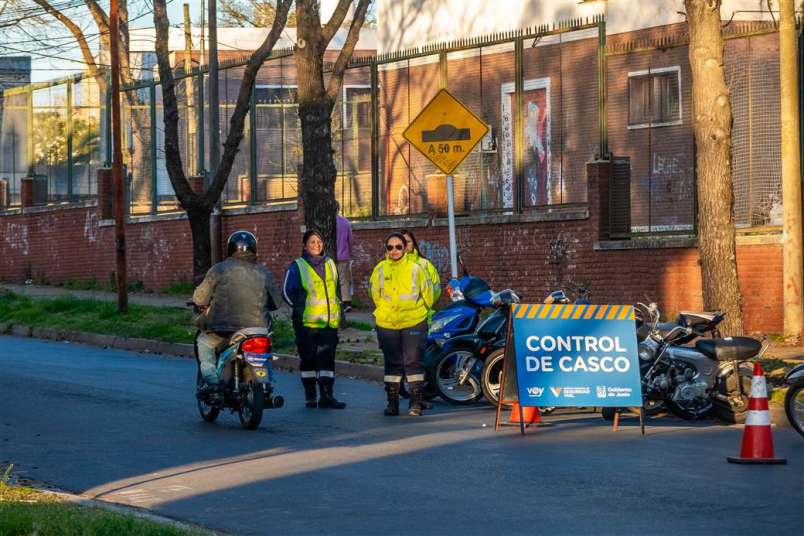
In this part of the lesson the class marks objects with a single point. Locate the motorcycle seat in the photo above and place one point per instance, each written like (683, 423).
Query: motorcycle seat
(729, 349)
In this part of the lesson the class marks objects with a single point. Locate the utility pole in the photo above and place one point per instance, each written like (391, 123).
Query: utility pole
(117, 162)
(188, 84)
(214, 126)
(791, 174)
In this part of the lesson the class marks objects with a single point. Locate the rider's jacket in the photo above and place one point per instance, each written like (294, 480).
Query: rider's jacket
(239, 293)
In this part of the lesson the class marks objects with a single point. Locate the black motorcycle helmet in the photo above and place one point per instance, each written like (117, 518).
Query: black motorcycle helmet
(241, 242)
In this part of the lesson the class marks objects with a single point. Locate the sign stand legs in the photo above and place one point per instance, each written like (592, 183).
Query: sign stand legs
(639, 411)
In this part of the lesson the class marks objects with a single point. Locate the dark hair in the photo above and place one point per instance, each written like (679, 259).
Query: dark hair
(412, 239)
(309, 233)
(395, 234)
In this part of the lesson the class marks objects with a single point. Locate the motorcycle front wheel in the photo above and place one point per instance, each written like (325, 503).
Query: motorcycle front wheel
(794, 407)
(208, 412)
(454, 379)
(250, 411)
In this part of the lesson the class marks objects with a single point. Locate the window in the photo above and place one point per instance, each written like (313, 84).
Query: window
(357, 107)
(654, 97)
(278, 130)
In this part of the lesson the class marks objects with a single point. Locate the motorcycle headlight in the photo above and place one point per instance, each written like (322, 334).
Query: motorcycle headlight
(439, 324)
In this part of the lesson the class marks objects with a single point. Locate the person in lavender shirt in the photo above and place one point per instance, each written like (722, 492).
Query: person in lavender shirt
(343, 258)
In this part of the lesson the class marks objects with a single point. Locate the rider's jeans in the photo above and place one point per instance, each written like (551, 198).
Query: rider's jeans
(207, 360)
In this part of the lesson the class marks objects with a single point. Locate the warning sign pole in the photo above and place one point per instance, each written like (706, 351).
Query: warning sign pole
(453, 246)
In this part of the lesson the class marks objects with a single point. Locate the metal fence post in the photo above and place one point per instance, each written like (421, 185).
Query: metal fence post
(154, 192)
(30, 121)
(519, 85)
(252, 148)
(199, 121)
(375, 141)
(69, 140)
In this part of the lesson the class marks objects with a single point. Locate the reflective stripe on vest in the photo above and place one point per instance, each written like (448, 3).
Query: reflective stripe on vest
(321, 308)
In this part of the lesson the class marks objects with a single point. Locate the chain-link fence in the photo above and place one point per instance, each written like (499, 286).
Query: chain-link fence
(549, 103)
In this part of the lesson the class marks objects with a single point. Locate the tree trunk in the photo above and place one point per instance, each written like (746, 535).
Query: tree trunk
(199, 227)
(318, 172)
(712, 125)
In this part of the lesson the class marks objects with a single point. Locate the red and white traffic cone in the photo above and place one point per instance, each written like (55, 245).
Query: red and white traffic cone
(757, 439)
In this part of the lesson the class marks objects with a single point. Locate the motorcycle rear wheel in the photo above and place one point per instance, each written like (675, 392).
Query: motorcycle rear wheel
(444, 378)
(490, 377)
(250, 411)
(794, 407)
(208, 412)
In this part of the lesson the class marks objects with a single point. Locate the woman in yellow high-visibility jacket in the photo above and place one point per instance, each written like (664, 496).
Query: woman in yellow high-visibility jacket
(403, 295)
(311, 289)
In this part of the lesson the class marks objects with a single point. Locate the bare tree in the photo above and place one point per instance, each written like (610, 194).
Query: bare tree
(712, 125)
(199, 205)
(316, 101)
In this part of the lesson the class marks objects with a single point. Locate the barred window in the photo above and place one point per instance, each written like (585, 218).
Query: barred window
(654, 97)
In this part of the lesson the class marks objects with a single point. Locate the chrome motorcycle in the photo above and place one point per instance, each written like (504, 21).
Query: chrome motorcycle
(711, 377)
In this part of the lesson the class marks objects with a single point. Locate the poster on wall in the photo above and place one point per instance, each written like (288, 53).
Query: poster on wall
(535, 142)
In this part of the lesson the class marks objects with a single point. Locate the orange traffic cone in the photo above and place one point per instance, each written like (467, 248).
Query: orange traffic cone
(757, 440)
(530, 415)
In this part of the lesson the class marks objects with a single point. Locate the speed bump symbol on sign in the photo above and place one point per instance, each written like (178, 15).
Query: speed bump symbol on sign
(445, 131)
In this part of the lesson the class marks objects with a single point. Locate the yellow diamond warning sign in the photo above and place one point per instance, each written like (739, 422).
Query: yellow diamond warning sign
(445, 131)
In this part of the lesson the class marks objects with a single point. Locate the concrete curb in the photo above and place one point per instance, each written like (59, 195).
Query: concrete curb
(287, 362)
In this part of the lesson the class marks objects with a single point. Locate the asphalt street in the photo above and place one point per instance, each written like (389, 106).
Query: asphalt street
(124, 427)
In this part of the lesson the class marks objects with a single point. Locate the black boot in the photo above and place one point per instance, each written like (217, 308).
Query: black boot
(327, 400)
(392, 390)
(415, 407)
(309, 393)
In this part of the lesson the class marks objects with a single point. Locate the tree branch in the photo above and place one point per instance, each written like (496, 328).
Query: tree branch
(335, 21)
(336, 79)
(236, 123)
(184, 193)
(74, 29)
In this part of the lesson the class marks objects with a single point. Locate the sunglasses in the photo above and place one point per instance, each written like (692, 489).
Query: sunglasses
(391, 247)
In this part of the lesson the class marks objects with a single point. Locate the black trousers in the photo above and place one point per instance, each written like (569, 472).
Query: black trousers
(317, 352)
(403, 350)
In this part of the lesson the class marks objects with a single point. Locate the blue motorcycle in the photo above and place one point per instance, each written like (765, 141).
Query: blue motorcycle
(470, 296)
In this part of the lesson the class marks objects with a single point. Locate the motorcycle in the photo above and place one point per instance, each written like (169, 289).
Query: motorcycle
(492, 367)
(711, 377)
(457, 370)
(469, 296)
(794, 399)
(245, 370)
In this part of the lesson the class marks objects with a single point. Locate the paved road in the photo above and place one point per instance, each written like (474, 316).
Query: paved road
(123, 427)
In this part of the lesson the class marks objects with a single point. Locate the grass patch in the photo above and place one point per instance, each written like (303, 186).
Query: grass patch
(82, 284)
(25, 511)
(169, 324)
(357, 324)
(68, 313)
(180, 288)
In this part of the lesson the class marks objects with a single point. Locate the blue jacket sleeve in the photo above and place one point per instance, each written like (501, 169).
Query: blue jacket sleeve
(291, 287)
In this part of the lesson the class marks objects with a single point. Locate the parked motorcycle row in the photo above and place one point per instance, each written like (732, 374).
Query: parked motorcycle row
(686, 367)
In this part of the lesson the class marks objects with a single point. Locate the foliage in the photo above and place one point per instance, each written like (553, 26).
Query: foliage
(50, 137)
(180, 288)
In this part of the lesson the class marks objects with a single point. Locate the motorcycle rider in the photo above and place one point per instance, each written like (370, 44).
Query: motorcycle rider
(403, 295)
(236, 293)
(311, 290)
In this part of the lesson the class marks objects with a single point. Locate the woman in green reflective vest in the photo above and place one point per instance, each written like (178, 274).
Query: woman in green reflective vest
(311, 290)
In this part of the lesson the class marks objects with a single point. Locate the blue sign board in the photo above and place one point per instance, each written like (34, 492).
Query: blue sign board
(576, 355)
